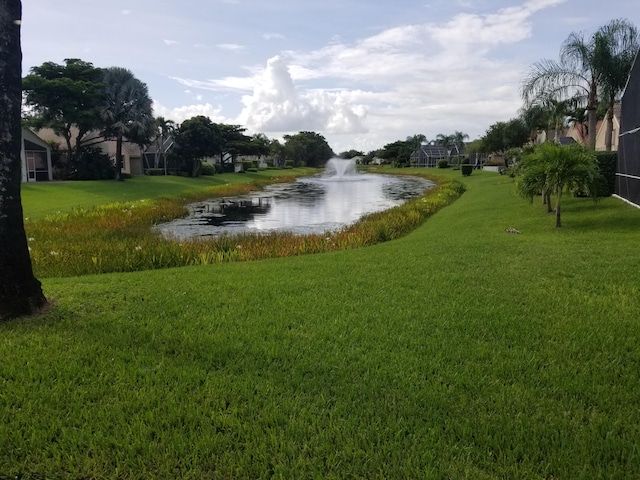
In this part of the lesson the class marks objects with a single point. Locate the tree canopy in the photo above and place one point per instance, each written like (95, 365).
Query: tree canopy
(196, 138)
(502, 136)
(125, 111)
(551, 169)
(307, 148)
(62, 97)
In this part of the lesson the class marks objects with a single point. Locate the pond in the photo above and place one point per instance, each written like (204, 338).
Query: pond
(325, 203)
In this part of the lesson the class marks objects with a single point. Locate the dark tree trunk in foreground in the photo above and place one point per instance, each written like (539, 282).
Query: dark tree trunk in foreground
(20, 291)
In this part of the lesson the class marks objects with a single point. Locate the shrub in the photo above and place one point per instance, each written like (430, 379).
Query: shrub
(252, 169)
(466, 169)
(246, 165)
(219, 168)
(607, 165)
(443, 163)
(91, 164)
(154, 172)
(208, 169)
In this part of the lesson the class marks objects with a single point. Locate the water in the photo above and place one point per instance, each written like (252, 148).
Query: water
(325, 203)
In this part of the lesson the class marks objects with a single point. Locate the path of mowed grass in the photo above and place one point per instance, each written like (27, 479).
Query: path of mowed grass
(458, 351)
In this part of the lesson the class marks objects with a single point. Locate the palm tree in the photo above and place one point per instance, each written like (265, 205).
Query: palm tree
(127, 110)
(459, 139)
(616, 45)
(444, 140)
(552, 169)
(574, 76)
(164, 128)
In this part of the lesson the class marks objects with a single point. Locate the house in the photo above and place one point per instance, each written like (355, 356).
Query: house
(35, 158)
(154, 155)
(131, 153)
(428, 155)
(602, 131)
(628, 171)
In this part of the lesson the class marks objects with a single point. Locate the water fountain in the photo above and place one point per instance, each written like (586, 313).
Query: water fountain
(340, 169)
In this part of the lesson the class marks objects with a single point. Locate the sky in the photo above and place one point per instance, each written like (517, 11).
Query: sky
(362, 73)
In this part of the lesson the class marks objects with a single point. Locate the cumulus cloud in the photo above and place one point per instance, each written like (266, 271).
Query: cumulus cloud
(180, 114)
(276, 106)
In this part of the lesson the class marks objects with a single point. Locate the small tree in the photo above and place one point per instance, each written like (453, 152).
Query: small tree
(553, 169)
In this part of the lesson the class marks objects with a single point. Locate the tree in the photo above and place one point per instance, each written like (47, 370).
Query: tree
(502, 136)
(307, 148)
(552, 169)
(195, 139)
(164, 128)
(20, 292)
(615, 48)
(260, 144)
(445, 140)
(459, 139)
(233, 142)
(587, 67)
(349, 154)
(64, 97)
(398, 152)
(126, 111)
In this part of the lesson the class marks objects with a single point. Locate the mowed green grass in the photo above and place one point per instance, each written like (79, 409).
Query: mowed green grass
(45, 198)
(458, 351)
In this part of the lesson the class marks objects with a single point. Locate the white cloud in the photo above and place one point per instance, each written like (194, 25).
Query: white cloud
(126, 12)
(170, 42)
(273, 36)
(230, 46)
(276, 106)
(183, 113)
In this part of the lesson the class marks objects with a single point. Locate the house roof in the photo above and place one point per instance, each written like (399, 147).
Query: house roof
(566, 140)
(433, 150)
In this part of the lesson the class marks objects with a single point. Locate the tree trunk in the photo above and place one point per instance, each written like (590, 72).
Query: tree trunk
(608, 137)
(547, 201)
(20, 292)
(558, 223)
(119, 162)
(592, 106)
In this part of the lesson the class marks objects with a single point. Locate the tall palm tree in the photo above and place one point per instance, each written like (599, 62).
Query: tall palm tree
(164, 128)
(536, 118)
(126, 111)
(616, 45)
(459, 139)
(574, 76)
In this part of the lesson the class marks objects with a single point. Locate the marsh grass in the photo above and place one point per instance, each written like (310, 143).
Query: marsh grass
(119, 237)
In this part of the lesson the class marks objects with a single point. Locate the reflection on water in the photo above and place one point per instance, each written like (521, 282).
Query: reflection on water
(309, 205)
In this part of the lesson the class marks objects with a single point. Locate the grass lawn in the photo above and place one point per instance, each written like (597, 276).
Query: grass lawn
(46, 198)
(458, 351)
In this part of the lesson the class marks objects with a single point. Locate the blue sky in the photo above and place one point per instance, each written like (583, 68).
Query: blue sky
(362, 73)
